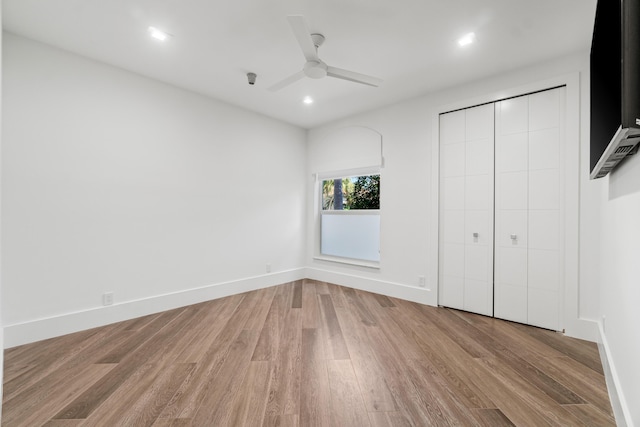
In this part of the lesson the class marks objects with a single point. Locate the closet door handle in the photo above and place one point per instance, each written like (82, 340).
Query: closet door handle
(514, 237)
(475, 235)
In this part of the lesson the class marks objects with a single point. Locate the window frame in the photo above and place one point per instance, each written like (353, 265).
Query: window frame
(320, 178)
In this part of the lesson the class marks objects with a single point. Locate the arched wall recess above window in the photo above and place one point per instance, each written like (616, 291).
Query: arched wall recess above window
(347, 168)
(348, 148)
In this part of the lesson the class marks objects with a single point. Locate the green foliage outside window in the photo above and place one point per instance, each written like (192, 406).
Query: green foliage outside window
(356, 192)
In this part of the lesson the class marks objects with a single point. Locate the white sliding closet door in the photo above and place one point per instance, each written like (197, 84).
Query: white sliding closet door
(466, 209)
(528, 208)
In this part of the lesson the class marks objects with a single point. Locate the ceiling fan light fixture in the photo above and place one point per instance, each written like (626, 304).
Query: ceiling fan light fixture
(315, 69)
(467, 39)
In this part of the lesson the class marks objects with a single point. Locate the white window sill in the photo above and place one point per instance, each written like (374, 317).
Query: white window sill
(349, 261)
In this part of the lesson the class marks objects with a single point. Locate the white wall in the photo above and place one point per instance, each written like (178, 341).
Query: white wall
(1, 321)
(112, 182)
(620, 279)
(408, 199)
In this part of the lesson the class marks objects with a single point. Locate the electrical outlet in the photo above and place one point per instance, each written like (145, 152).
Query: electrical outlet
(422, 281)
(107, 298)
(268, 268)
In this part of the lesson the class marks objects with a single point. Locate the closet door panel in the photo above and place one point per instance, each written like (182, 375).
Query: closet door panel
(544, 189)
(478, 193)
(514, 116)
(476, 263)
(478, 222)
(479, 122)
(512, 303)
(512, 224)
(478, 157)
(452, 163)
(453, 264)
(544, 110)
(543, 308)
(452, 292)
(511, 155)
(452, 127)
(544, 270)
(454, 227)
(512, 188)
(478, 297)
(466, 186)
(453, 193)
(512, 204)
(513, 266)
(544, 149)
(544, 228)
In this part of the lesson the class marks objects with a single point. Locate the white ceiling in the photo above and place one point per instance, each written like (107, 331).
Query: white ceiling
(410, 44)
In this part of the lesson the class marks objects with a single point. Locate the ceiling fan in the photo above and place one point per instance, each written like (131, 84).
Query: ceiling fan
(315, 68)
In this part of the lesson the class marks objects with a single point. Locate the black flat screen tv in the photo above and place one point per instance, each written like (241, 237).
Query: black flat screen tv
(615, 84)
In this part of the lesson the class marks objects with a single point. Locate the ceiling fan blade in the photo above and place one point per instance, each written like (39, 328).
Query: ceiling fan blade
(286, 82)
(353, 76)
(300, 30)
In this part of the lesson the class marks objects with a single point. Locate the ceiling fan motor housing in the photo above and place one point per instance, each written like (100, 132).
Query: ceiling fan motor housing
(315, 69)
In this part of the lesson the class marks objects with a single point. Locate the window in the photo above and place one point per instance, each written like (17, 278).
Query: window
(350, 217)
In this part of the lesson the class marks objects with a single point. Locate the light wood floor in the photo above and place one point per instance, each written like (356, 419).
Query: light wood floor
(307, 354)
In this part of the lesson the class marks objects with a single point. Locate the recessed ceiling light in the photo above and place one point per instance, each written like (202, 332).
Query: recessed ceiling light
(307, 100)
(467, 39)
(158, 34)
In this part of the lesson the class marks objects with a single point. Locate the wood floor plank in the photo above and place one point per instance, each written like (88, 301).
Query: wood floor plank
(50, 361)
(151, 403)
(284, 386)
(433, 391)
(288, 420)
(256, 320)
(85, 404)
(269, 339)
(38, 409)
(137, 339)
(453, 365)
(582, 351)
(399, 382)
(140, 322)
(296, 301)
(591, 416)
(373, 386)
(315, 395)
(517, 409)
(492, 418)
(588, 384)
(388, 419)
(384, 300)
(251, 400)
(173, 422)
(43, 390)
(189, 398)
(220, 314)
(310, 307)
(543, 405)
(347, 406)
(215, 407)
(358, 306)
(307, 353)
(63, 423)
(335, 346)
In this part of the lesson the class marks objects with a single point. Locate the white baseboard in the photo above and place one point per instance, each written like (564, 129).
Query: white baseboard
(583, 329)
(616, 396)
(396, 290)
(40, 329)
